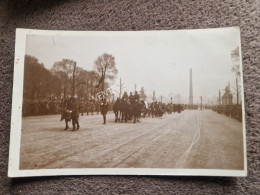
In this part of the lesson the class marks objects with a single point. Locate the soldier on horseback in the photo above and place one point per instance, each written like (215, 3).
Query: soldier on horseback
(131, 98)
(136, 96)
(125, 96)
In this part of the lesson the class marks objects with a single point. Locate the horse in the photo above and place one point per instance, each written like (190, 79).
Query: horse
(125, 110)
(116, 109)
(137, 110)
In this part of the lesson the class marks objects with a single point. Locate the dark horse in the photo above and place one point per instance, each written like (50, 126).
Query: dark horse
(116, 109)
(136, 110)
(125, 110)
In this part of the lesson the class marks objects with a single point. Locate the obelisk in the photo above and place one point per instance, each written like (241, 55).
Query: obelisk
(191, 89)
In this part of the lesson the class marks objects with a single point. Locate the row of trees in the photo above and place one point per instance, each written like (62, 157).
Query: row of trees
(236, 70)
(65, 78)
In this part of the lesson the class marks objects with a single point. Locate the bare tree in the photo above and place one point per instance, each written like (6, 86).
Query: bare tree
(106, 66)
(69, 73)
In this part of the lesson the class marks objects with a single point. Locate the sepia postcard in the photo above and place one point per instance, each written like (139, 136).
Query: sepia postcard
(128, 103)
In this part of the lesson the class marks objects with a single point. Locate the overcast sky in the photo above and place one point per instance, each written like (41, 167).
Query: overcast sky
(156, 61)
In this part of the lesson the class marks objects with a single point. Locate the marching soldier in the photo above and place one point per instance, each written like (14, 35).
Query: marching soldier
(75, 113)
(82, 107)
(104, 109)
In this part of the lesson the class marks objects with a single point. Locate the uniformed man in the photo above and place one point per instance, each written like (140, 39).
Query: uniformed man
(136, 96)
(104, 109)
(69, 103)
(82, 107)
(75, 113)
(131, 98)
(125, 96)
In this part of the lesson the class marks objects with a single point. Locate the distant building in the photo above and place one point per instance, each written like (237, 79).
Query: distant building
(227, 96)
(142, 95)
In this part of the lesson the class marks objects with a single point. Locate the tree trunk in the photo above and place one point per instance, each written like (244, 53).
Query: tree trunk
(103, 82)
(73, 79)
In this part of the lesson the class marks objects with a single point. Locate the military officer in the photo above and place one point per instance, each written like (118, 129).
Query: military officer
(75, 113)
(104, 109)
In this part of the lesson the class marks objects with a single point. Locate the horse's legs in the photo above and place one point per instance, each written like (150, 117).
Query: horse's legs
(122, 116)
(104, 118)
(126, 115)
(77, 122)
(73, 124)
(67, 126)
(116, 115)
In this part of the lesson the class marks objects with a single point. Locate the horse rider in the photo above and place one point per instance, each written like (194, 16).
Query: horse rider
(136, 96)
(125, 96)
(104, 109)
(131, 98)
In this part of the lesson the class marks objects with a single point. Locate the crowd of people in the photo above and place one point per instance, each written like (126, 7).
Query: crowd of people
(71, 107)
(34, 107)
(233, 110)
(48, 106)
(44, 106)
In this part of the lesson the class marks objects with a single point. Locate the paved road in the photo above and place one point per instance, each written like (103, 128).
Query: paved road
(191, 139)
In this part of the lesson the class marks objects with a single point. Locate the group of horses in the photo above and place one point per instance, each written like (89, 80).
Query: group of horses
(125, 110)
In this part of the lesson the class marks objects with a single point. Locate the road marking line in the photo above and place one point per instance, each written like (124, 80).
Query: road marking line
(195, 139)
(123, 157)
